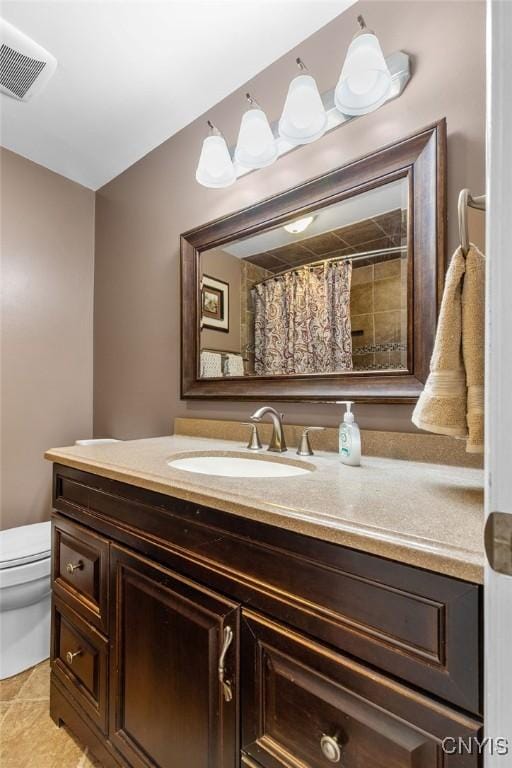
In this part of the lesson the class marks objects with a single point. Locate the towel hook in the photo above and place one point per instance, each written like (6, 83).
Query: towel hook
(466, 200)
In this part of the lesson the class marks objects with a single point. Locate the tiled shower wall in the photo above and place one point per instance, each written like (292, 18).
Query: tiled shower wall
(250, 274)
(378, 312)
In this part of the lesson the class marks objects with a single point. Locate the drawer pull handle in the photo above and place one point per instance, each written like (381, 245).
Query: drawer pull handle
(226, 685)
(330, 748)
(72, 567)
(70, 655)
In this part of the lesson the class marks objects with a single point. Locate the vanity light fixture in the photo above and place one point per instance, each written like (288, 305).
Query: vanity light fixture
(299, 225)
(304, 118)
(365, 80)
(256, 146)
(215, 168)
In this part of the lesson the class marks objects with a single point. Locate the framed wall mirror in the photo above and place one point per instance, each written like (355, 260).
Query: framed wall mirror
(327, 291)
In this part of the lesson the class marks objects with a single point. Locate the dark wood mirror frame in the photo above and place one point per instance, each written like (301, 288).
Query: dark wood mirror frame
(421, 159)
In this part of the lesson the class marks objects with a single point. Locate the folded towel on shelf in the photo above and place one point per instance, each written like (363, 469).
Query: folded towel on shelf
(452, 400)
(234, 365)
(211, 365)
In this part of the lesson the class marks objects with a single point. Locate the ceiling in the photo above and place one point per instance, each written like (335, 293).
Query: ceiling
(131, 73)
(387, 230)
(366, 205)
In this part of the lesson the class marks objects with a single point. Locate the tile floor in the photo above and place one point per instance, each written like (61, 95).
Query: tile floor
(28, 736)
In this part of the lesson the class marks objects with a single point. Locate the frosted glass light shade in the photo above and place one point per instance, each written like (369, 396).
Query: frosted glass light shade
(256, 146)
(304, 118)
(215, 168)
(365, 81)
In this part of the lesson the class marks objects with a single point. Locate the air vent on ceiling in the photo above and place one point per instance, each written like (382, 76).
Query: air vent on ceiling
(25, 66)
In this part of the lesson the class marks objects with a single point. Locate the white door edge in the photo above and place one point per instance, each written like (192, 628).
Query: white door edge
(498, 475)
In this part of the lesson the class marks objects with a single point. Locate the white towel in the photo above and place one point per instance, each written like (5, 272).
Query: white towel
(452, 401)
(234, 365)
(211, 365)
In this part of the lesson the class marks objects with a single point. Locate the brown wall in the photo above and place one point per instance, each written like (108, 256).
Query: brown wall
(141, 214)
(47, 277)
(223, 266)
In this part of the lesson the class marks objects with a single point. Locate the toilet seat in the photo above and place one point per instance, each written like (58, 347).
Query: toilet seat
(24, 545)
(23, 574)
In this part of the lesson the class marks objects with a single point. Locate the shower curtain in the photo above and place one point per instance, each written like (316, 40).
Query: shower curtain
(302, 321)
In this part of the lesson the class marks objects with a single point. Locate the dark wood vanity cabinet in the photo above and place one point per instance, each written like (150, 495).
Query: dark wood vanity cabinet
(218, 642)
(168, 706)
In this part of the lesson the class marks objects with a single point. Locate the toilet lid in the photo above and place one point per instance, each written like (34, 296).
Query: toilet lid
(25, 544)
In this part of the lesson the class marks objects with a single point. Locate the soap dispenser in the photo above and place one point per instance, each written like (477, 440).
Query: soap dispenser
(349, 437)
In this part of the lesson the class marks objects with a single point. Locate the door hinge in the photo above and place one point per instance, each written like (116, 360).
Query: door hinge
(498, 542)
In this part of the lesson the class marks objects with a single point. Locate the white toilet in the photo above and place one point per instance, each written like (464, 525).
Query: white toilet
(25, 557)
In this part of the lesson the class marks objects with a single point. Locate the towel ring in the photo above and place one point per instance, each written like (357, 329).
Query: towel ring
(466, 200)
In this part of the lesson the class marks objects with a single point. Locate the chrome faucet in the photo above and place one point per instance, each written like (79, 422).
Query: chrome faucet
(277, 441)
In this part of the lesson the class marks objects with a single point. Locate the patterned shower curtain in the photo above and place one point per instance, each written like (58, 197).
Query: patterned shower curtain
(302, 321)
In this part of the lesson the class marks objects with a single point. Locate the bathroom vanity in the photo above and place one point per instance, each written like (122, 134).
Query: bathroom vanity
(203, 622)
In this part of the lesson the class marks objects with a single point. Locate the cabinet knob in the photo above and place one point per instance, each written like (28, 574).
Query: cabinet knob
(330, 748)
(70, 655)
(72, 567)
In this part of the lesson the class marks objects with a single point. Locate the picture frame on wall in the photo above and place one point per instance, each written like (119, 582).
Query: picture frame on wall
(214, 304)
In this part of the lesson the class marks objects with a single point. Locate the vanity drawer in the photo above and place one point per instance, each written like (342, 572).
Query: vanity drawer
(80, 570)
(80, 661)
(304, 705)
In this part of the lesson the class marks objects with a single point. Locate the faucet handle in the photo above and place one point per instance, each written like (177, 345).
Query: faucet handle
(304, 448)
(254, 443)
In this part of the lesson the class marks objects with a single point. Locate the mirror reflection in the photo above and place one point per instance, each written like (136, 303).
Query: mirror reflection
(325, 293)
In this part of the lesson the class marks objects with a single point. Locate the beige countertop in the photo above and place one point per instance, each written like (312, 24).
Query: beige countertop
(422, 514)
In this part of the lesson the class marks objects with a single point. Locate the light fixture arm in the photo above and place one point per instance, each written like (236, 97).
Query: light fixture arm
(363, 29)
(214, 131)
(252, 101)
(302, 67)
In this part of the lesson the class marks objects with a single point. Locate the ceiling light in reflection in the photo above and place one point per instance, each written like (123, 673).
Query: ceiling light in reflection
(294, 227)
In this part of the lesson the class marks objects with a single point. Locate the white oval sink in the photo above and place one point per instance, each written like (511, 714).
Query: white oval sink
(238, 466)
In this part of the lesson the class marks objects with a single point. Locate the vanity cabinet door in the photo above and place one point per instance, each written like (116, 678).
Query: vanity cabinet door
(168, 706)
(306, 706)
